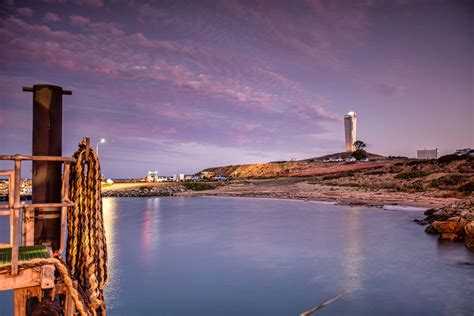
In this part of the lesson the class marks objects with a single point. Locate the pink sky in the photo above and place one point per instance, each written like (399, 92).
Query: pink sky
(184, 85)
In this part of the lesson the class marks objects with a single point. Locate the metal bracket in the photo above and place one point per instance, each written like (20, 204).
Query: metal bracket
(47, 277)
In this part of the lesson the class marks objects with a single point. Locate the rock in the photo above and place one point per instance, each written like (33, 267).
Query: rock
(469, 243)
(421, 221)
(454, 219)
(431, 230)
(449, 237)
(463, 222)
(446, 227)
(469, 230)
(441, 215)
(430, 211)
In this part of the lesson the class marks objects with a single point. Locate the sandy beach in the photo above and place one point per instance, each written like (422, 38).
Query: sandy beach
(300, 188)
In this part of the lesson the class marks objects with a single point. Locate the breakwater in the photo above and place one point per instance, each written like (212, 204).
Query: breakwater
(146, 191)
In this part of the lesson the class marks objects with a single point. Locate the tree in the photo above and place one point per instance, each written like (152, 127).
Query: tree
(360, 152)
(359, 145)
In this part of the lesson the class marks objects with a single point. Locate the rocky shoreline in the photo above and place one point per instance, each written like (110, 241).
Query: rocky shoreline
(148, 191)
(454, 222)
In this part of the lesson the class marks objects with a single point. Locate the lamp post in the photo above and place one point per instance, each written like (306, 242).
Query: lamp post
(101, 141)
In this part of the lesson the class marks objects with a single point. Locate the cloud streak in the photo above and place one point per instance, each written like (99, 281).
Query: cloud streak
(259, 76)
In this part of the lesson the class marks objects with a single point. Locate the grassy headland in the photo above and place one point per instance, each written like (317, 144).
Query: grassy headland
(382, 180)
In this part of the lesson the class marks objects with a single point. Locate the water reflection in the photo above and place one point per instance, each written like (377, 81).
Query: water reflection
(150, 234)
(109, 211)
(211, 256)
(353, 256)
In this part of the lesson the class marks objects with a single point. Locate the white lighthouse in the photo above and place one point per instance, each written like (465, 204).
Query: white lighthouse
(350, 126)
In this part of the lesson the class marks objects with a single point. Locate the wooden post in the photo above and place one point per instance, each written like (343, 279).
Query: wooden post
(15, 213)
(47, 141)
(64, 199)
(19, 297)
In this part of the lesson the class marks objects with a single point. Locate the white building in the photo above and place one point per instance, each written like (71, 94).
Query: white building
(465, 151)
(427, 154)
(350, 127)
(178, 177)
(152, 176)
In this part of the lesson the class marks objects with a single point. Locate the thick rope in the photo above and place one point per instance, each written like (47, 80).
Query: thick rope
(86, 248)
(79, 299)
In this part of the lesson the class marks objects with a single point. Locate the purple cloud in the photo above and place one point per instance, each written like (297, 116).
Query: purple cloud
(389, 90)
(51, 17)
(77, 20)
(91, 3)
(25, 12)
(265, 78)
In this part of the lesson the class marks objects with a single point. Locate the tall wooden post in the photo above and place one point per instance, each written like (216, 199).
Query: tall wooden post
(47, 141)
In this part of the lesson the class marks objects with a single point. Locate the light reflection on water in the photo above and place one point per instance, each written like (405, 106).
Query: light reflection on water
(353, 256)
(109, 211)
(234, 256)
(237, 256)
(150, 235)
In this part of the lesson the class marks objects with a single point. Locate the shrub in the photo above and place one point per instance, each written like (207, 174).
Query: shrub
(467, 167)
(359, 154)
(417, 185)
(450, 158)
(338, 175)
(408, 175)
(199, 186)
(394, 187)
(375, 172)
(395, 169)
(449, 180)
(467, 188)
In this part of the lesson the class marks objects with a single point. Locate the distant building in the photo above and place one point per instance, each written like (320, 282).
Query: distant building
(152, 176)
(350, 127)
(465, 151)
(427, 154)
(220, 178)
(178, 177)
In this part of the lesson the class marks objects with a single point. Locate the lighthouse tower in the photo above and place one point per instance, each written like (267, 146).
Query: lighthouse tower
(350, 126)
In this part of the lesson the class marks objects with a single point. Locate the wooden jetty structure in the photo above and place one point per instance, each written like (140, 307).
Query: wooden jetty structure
(31, 263)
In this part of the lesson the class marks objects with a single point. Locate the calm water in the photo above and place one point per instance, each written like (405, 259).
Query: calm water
(238, 256)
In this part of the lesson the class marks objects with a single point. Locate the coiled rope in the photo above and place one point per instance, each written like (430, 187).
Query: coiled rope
(86, 251)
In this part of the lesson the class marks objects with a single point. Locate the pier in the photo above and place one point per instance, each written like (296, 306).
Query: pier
(32, 263)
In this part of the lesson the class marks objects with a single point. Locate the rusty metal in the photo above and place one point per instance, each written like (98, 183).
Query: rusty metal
(66, 202)
(50, 195)
(37, 158)
(14, 217)
(55, 206)
(47, 141)
(30, 280)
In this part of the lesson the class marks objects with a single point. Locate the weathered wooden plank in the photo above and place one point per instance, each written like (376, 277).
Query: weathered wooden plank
(27, 278)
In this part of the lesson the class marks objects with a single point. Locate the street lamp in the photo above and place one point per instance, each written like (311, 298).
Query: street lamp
(101, 141)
